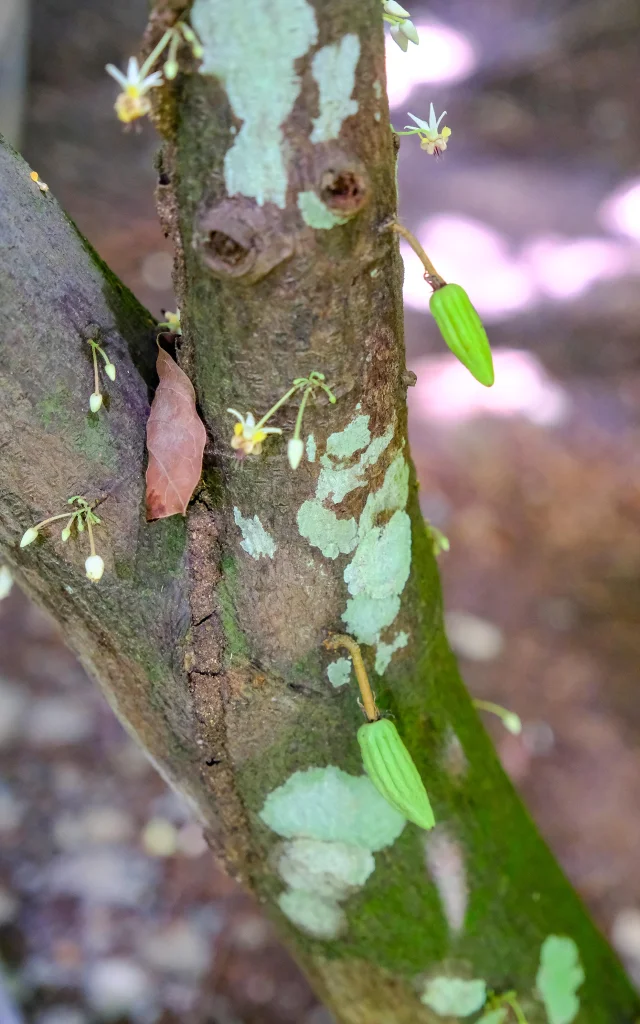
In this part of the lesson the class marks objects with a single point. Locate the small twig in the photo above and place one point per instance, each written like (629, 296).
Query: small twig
(334, 643)
(431, 276)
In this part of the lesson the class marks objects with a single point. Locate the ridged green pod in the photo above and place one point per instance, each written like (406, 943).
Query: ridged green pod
(389, 765)
(462, 329)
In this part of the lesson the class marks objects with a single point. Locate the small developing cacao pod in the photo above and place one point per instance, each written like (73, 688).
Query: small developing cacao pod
(462, 329)
(390, 767)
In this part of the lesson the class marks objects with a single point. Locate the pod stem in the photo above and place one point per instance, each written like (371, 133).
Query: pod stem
(431, 276)
(334, 643)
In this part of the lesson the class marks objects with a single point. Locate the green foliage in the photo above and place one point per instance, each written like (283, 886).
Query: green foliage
(559, 976)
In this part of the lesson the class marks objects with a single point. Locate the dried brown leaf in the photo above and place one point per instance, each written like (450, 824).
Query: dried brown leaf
(175, 442)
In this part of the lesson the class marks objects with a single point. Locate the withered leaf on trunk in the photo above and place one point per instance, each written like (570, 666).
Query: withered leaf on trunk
(175, 442)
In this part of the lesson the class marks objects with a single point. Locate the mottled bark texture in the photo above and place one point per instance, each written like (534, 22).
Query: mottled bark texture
(207, 634)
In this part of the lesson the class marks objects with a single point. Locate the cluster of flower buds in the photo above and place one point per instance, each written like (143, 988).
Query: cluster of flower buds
(83, 517)
(133, 102)
(95, 400)
(403, 31)
(248, 434)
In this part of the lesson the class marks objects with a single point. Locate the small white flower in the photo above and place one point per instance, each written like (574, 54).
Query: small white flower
(398, 37)
(6, 581)
(110, 370)
(94, 568)
(295, 451)
(172, 322)
(28, 537)
(95, 401)
(247, 437)
(133, 101)
(433, 139)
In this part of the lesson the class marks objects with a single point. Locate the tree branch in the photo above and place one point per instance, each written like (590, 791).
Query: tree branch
(129, 629)
(274, 191)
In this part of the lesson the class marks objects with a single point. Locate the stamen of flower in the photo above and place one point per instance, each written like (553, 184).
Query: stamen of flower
(41, 184)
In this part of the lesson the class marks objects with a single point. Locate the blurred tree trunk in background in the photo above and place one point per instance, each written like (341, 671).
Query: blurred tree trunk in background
(13, 64)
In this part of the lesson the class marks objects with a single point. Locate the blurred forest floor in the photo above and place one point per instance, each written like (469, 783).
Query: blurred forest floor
(110, 906)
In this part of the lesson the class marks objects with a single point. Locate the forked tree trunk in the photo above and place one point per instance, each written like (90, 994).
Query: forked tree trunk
(276, 179)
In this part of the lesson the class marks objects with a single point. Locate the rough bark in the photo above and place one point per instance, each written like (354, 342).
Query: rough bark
(210, 649)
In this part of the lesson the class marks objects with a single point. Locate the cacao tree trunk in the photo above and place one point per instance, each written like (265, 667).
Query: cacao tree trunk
(276, 182)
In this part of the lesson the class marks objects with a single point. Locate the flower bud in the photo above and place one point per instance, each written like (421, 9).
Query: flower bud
(399, 38)
(95, 401)
(28, 537)
(409, 30)
(171, 69)
(462, 329)
(110, 371)
(390, 767)
(295, 451)
(66, 533)
(512, 723)
(94, 568)
(391, 7)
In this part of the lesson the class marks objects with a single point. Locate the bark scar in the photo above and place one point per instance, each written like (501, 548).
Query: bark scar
(209, 686)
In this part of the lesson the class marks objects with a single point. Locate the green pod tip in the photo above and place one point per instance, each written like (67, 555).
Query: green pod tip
(390, 767)
(462, 329)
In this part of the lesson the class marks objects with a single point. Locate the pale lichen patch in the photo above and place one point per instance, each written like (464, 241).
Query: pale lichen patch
(446, 866)
(256, 541)
(332, 870)
(334, 823)
(454, 760)
(334, 69)
(339, 672)
(381, 565)
(316, 214)
(330, 805)
(320, 918)
(272, 35)
(336, 480)
(454, 997)
(355, 436)
(322, 528)
(385, 651)
(311, 448)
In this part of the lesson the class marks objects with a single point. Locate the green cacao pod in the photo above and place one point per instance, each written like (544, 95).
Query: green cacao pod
(390, 767)
(462, 329)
